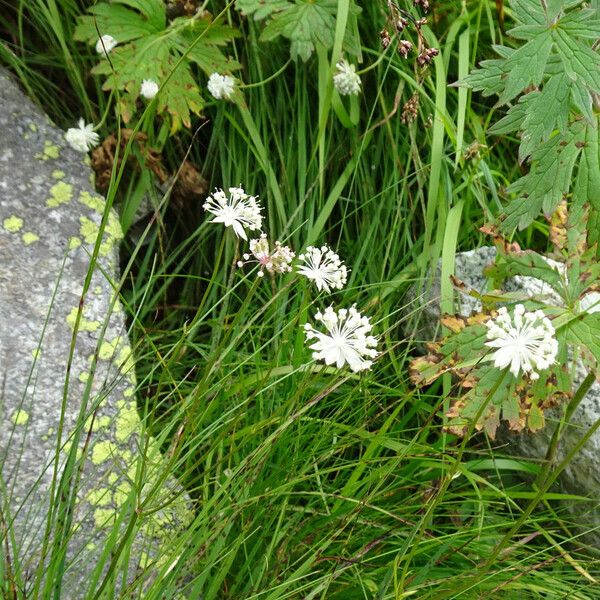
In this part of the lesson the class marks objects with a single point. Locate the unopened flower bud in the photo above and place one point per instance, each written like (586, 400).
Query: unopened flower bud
(404, 47)
(427, 56)
(386, 40)
(401, 24)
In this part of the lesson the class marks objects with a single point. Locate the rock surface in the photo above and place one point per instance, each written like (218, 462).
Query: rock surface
(582, 476)
(84, 395)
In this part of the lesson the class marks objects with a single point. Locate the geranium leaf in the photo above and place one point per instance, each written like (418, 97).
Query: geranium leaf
(304, 22)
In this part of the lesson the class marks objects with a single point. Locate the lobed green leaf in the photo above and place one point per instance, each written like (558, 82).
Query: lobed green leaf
(306, 23)
(547, 182)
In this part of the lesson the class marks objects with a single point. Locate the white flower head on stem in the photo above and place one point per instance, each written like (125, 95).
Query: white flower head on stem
(221, 86)
(277, 260)
(524, 342)
(83, 137)
(149, 89)
(240, 211)
(346, 340)
(105, 44)
(324, 267)
(346, 80)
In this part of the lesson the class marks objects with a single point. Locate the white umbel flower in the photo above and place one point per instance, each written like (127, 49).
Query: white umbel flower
(83, 137)
(105, 44)
(149, 89)
(240, 211)
(277, 260)
(346, 80)
(221, 86)
(346, 341)
(525, 342)
(324, 267)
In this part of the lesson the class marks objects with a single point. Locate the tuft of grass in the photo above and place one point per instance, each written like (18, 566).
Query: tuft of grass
(308, 482)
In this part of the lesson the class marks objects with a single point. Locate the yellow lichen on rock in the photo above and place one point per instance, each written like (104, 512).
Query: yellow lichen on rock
(104, 517)
(74, 242)
(60, 193)
(102, 451)
(12, 224)
(127, 422)
(107, 349)
(99, 497)
(112, 233)
(96, 203)
(84, 324)
(20, 417)
(30, 238)
(50, 151)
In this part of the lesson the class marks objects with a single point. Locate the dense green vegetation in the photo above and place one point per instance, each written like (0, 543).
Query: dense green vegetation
(312, 482)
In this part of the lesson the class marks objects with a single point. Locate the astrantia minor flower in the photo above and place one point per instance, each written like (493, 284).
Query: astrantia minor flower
(346, 80)
(346, 340)
(82, 138)
(324, 267)
(239, 211)
(277, 260)
(149, 89)
(525, 342)
(220, 86)
(105, 44)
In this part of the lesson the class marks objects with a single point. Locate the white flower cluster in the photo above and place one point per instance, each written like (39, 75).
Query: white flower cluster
(324, 267)
(221, 86)
(278, 260)
(105, 44)
(346, 81)
(240, 211)
(525, 342)
(347, 339)
(148, 89)
(83, 137)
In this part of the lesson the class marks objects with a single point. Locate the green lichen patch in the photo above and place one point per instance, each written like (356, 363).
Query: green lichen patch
(100, 497)
(97, 423)
(127, 422)
(84, 323)
(74, 242)
(20, 417)
(96, 203)
(107, 349)
(50, 151)
(60, 193)
(58, 174)
(12, 224)
(125, 360)
(112, 233)
(102, 451)
(104, 517)
(30, 238)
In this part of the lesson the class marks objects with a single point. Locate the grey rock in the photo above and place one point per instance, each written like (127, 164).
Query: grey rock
(49, 222)
(582, 476)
